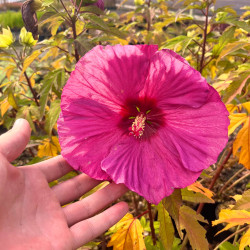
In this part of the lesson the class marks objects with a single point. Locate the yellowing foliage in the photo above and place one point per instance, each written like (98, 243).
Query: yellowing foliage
(242, 141)
(4, 105)
(128, 235)
(198, 188)
(50, 147)
(235, 218)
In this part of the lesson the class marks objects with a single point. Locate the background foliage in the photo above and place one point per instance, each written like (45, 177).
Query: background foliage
(33, 73)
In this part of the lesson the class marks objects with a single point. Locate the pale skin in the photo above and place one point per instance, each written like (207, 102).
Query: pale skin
(31, 213)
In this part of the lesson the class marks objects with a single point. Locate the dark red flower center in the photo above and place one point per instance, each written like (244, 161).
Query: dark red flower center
(141, 118)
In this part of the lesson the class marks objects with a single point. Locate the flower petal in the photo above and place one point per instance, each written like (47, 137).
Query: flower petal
(111, 74)
(172, 80)
(87, 130)
(199, 135)
(147, 168)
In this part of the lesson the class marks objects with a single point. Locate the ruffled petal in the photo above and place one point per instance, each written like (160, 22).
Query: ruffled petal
(87, 130)
(111, 74)
(149, 169)
(173, 81)
(198, 135)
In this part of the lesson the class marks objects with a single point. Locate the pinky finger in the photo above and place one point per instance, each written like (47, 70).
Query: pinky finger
(89, 229)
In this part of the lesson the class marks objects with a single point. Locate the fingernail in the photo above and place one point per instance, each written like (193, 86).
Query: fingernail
(19, 122)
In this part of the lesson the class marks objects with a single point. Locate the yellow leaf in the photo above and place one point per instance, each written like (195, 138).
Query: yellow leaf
(235, 121)
(198, 188)
(49, 147)
(28, 60)
(243, 141)
(231, 108)
(246, 106)
(4, 106)
(128, 234)
(9, 69)
(245, 240)
(233, 218)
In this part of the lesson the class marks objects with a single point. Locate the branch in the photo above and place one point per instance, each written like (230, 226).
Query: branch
(204, 39)
(151, 224)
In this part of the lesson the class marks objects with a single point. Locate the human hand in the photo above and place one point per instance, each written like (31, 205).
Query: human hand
(31, 216)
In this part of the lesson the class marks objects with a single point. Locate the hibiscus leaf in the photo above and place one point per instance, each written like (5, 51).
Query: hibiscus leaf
(166, 227)
(191, 196)
(228, 246)
(243, 142)
(223, 40)
(128, 234)
(244, 202)
(52, 116)
(233, 218)
(235, 88)
(50, 147)
(195, 232)
(172, 204)
(230, 48)
(198, 188)
(235, 121)
(245, 240)
(29, 59)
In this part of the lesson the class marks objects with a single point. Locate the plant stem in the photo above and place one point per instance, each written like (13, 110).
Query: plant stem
(140, 215)
(149, 16)
(204, 38)
(216, 176)
(135, 203)
(31, 89)
(77, 57)
(184, 242)
(151, 223)
(26, 77)
(230, 236)
(239, 180)
(65, 9)
(225, 185)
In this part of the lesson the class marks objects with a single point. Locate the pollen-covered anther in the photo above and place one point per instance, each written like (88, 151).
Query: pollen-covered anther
(137, 127)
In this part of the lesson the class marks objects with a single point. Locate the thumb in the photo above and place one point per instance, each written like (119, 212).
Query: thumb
(14, 141)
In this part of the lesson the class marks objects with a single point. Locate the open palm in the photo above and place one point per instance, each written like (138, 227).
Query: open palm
(31, 213)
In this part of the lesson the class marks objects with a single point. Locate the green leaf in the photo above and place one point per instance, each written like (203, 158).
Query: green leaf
(52, 116)
(195, 232)
(228, 246)
(46, 3)
(44, 93)
(25, 113)
(92, 9)
(176, 244)
(223, 41)
(231, 47)
(172, 204)
(150, 246)
(166, 227)
(12, 99)
(191, 196)
(236, 86)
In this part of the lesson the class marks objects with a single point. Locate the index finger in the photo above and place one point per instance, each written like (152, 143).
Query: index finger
(53, 168)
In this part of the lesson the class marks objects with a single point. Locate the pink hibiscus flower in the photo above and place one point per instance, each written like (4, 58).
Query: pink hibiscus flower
(142, 117)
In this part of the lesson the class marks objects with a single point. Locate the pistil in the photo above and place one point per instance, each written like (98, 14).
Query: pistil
(137, 127)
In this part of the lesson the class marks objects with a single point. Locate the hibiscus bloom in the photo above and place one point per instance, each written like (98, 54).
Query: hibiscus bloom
(142, 117)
